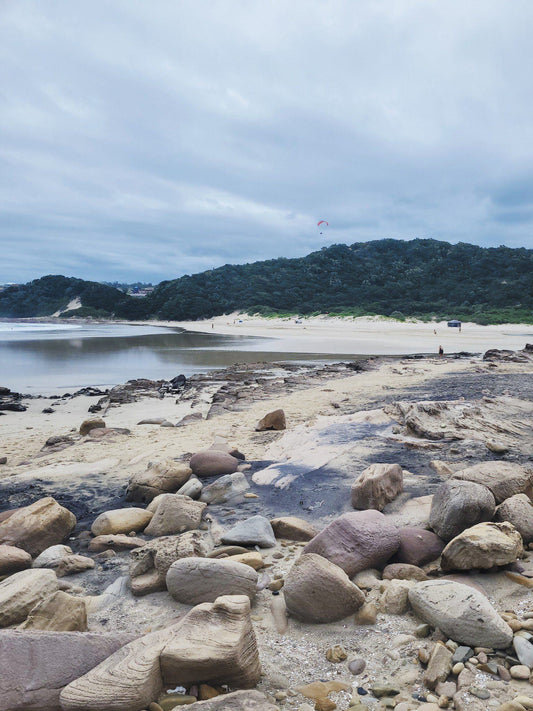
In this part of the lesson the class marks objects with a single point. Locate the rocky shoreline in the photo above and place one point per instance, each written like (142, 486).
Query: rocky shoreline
(273, 536)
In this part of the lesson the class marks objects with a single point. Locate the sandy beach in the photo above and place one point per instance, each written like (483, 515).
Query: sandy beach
(364, 335)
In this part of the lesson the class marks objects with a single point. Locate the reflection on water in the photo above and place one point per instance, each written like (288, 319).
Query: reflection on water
(104, 355)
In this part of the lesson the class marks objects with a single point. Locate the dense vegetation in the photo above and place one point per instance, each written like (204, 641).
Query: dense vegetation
(421, 278)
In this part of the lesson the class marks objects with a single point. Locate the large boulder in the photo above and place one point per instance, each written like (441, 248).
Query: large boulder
(504, 479)
(37, 526)
(159, 478)
(121, 521)
(460, 612)
(212, 462)
(215, 645)
(458, 505)
(377, 486)
(356, 541)
(175, 514)
(485, 545)
(274, 420)
(60, 612)
(194, 580)
(226, 488)
(151, 562)
(57, 658)
(22, 591)
(518, 510)
(13, 559)
(251, 700)
(317, 590)
(254, 531)
(418, 546)
(293, 528)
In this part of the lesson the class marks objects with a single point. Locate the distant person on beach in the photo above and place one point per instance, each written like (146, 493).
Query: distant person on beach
(212, 325)
(435, 331)
(441, 351)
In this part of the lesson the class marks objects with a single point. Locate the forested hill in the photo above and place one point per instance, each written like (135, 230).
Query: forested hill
(388, 277)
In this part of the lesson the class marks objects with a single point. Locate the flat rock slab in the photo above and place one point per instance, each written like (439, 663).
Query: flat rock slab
(237, 701)
(36, 686)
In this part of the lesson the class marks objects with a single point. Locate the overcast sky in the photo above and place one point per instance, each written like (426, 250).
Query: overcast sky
(141, 140)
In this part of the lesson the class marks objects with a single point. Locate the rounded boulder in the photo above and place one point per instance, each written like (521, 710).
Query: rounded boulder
(317, 590)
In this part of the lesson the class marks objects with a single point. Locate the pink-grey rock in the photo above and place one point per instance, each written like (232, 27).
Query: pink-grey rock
(418, 546)
(377, 486)
(36, 686)
(356, 541)
(458, 505)
(317, 590)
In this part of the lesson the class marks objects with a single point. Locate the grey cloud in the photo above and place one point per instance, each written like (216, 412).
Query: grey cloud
(146, 140)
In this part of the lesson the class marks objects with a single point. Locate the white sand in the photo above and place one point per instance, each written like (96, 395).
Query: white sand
(374, 335)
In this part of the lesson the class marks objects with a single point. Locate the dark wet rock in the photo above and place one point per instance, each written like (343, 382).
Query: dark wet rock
(356, 541)
(458, 505)
(12, 406)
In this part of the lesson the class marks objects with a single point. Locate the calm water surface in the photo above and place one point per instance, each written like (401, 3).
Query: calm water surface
(56, 358)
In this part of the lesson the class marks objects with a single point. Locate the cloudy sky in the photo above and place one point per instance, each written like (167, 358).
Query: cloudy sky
(141, 140)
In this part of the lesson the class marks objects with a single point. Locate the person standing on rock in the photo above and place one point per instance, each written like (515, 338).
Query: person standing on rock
(441, 351)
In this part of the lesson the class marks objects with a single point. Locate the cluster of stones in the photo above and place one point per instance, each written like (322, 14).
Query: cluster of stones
(361, 564)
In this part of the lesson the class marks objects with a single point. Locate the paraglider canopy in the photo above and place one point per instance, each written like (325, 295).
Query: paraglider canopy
(322, 222)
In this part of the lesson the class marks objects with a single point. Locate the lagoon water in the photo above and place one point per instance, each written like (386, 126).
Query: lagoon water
(50, 358)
